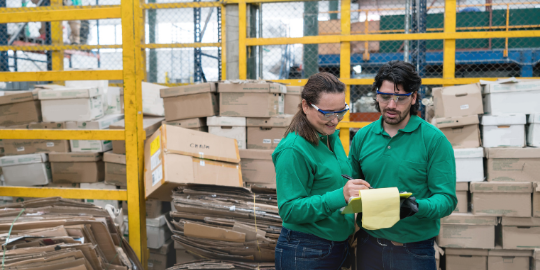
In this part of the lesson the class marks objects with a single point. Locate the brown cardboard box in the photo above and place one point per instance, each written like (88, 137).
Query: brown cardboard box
(162, 258)
(519, 233)
(115, 169)
(155, 208)
(190, 101)
(257, 166)
(77, 167)
(536, 260)
(293, 98)
(19, 107)
(332, 27)
(503, 259)
(501, 199)
(535, 200)
(24, 147)
(470, 259)
(462, 194)
(458, 100)
(150, 125)
(513, 164)
(251, 98)
(182, 256)
(467, 231)
(176, 156)
(461, 131)
(266, 133)
(189, 123)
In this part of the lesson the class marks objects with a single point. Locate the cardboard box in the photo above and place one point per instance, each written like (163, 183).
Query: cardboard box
(229, 127)
(503, 259)
(463, 258)
(182, 256)
(190, 101)
(82, 167)
(93, 145)
(536, 200)
(533, 132)
(114, 104)
(251, 98)
(153, 104)
(293, 98)
(461, 131)
(467, 231)
(511, 96)
(257, 166)
(504, 130)
(536, 260)
(71, 104)
(266, 133)
(19, 107)
(176, 156)
(513, 164)
(157, 232)
(26, 170)
(115, 169)
(25, 147)
(333, 27)
(155, 208)
(458, 100)
(469, 164)
(189, 123)
(150, 125)
(462, 194)
(103, 186)
(519, 233)
(162, 258)
(501, 199)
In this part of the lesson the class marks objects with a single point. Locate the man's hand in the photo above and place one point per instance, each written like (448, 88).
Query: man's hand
(408, 207)
(351, 189)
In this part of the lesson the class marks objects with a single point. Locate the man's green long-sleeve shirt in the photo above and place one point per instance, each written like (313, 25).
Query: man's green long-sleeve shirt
(310, 186)
(418, 159)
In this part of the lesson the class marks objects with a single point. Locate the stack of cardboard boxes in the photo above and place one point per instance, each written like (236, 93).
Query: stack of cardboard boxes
(497, 220)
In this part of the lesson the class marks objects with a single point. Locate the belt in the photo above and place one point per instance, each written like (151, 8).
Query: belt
(386, 242)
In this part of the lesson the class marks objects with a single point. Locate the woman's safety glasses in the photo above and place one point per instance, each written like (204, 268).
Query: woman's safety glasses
(398, 98)
(331, 115)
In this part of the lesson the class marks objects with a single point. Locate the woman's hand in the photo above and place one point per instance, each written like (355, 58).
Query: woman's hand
(351, 189)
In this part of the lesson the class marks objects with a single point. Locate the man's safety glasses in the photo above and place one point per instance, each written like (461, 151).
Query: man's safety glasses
(398, 98)
(332, 115)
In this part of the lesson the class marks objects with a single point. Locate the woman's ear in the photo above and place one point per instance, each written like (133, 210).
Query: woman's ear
(305, 106)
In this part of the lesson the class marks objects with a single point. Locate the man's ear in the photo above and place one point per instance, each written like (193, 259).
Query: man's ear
(414, 96)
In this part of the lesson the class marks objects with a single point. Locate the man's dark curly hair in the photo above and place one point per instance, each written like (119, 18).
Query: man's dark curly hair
(399, 72)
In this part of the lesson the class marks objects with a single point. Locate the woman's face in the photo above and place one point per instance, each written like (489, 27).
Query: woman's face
(329, 102)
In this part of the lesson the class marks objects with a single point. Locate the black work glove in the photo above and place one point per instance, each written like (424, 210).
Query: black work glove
(408, 207)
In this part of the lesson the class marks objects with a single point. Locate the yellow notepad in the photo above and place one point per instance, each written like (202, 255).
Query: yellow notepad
(355, 205)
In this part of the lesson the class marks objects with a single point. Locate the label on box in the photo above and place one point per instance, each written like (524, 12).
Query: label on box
(20, 149)
(154, 160)
(464, 107)
(276, 141)
(155, 145)
(267, 140)
(49, 144)
(201, 163)
(157, 175)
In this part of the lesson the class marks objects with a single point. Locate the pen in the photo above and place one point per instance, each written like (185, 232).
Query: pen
(349, 178)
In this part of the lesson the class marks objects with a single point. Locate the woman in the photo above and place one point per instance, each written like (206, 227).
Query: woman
(309, 163)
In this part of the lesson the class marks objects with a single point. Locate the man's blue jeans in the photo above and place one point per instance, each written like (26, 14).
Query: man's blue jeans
(381, 254)
(296, 250)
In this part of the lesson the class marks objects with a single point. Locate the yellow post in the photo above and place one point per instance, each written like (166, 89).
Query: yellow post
(57, 38)
(223, 44)
(366, 44)
(449, 61)
(505, 53)
(242, 34)
(345, 67)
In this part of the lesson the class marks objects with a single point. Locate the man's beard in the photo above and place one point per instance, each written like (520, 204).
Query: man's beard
(399, 117)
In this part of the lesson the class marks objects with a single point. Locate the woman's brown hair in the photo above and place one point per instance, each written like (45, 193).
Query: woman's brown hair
(317, 84)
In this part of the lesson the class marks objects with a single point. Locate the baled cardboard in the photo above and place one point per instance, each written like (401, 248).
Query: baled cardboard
(162, 258)
(511, 96)
(533, 132)
(189, 123)
(536, 200)
(251, 98)
(467, 231)
(519, 233)
(115, 169)
(293, 98)
(93, 145)
(19, 107)
(81, 167)
(501, 199)
(208, 232)
(504, 259)
(513, 164)
(229, 127)
(208, 87)
(462, 194)
(100, 203)
(25, 147)
(150, 125)
(469, 164)
(463, 258)
(257, 166)
(157, 232)
(461, 131)
(182, 256)
(503, 130)
(71, 104)
(458, 100)
(26, 170)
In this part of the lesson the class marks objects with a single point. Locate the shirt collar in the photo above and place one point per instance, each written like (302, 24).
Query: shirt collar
(414, 123)
(321, 136)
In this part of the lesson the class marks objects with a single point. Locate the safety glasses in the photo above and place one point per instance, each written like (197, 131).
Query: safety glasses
(397, 98)
(331, 115)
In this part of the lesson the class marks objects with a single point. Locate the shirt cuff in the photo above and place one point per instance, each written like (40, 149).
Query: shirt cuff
(335, 199)
(423, 207)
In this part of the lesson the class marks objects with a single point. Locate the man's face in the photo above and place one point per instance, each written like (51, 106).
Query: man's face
(394, 112)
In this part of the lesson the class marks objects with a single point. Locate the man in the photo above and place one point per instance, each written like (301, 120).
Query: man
(402, 150)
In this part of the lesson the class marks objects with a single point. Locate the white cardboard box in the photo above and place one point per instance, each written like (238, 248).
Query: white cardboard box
(469, 164)
(504, 130)
(93, 145)
(71, 104)
(114, 105)
(152, 101)
(157, 232)
(26, 170)
(229, 127)
(100, 203)
(533, 133)
(511, 96)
